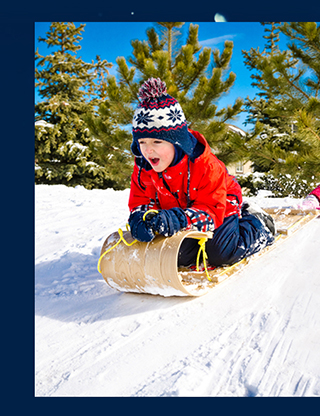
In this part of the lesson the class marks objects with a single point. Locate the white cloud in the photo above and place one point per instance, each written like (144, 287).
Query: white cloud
(217, 40)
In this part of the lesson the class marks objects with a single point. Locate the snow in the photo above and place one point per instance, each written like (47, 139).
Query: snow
(237, 130)
(256, 334)
(43, 123)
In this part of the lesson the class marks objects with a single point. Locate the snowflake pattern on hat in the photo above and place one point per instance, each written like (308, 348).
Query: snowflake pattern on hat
(168, 115)
(174, 115)
(144, 118)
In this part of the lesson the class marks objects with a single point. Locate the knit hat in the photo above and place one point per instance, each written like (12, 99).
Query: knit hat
(160, 116)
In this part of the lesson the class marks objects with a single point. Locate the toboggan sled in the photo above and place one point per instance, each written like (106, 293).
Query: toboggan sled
(132, 266)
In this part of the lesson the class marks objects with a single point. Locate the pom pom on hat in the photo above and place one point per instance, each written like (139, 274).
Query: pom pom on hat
(152, 88)
(160, 116)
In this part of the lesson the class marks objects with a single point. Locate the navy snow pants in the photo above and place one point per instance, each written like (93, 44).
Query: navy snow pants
(234, 240)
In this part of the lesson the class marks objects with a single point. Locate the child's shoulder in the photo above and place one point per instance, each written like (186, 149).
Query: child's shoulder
(316, 192)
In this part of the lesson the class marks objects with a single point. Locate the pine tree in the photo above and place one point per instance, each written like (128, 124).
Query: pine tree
(170, 36)
(272, 35)
(286, 134)
(111, 146)
(66, 85)
(197, 77)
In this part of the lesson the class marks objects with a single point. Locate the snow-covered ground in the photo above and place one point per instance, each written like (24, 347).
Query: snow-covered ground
(257, 334)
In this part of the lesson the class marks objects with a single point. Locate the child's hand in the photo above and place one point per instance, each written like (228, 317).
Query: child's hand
(168, 222)
(140, 229)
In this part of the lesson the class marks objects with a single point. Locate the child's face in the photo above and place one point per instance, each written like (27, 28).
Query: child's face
(159, 153)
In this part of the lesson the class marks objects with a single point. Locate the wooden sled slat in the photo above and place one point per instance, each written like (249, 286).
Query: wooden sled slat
(286, 223)
(290, 211)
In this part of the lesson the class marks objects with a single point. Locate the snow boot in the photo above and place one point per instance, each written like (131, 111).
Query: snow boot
(266, 219)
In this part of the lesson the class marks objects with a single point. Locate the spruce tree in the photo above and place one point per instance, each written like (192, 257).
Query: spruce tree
(111, 146)
(67, 88)
(286, 134)
(197, 77)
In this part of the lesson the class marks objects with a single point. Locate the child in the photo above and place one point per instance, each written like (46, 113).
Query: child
(176, 175)
(311, 201)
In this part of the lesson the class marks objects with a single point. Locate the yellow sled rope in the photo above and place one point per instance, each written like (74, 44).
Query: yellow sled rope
(111, 248)
(152, 267)
(202, 242)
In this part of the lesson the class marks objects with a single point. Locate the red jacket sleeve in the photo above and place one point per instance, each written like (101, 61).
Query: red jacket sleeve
(316, 192)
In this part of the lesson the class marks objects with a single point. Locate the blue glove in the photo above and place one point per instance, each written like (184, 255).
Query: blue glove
(169, 221)
(140, 230)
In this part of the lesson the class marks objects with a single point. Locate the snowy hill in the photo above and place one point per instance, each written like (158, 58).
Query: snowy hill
(254, 335)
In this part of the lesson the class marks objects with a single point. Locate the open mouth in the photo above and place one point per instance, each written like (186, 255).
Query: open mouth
(155, 161)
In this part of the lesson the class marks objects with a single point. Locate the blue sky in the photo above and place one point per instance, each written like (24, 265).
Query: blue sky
(113, 39)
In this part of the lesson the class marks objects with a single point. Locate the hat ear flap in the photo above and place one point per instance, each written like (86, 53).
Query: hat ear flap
(135, 148)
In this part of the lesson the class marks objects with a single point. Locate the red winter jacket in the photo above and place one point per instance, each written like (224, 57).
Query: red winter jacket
(203, 188)
(316, 192)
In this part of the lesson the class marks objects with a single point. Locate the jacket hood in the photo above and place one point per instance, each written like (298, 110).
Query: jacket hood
(187, 146)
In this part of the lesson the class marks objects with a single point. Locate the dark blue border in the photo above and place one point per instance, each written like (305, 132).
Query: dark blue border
(17, 128)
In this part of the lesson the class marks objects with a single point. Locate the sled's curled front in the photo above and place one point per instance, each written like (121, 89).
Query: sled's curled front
(148, 267)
